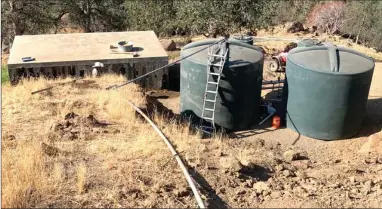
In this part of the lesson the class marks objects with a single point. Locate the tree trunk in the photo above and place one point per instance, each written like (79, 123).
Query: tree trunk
(359, 31)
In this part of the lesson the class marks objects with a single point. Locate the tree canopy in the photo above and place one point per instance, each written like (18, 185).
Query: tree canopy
(358, 19)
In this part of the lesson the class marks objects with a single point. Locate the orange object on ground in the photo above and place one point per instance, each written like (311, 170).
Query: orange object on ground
(276, 122)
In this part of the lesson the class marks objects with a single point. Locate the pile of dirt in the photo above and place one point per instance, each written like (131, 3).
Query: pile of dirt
(75, 127)
(293, 175)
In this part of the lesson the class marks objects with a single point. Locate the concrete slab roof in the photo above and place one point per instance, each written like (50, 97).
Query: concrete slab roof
(83, 49)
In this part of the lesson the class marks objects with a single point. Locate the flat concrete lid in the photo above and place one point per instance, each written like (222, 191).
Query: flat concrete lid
(82, 48)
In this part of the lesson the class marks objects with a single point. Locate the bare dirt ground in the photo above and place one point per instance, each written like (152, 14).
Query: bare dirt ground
(78, 145)
(345, 173)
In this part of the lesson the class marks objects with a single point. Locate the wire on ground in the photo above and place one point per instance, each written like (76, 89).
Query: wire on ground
(168, 65)
(176, 156)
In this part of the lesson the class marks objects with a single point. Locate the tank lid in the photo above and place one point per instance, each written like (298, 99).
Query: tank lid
(243, 37)
(239, 52)
(309, 42)
(331, 59)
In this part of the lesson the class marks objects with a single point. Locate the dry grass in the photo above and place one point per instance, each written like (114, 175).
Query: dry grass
(124, 164)
(81, 179)
(23, 176)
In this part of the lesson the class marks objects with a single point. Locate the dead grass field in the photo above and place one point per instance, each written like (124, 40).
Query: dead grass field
(106, 156)
(78, 145)
(121, 164)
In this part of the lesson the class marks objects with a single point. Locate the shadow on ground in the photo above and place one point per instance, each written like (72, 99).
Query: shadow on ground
(372, 122)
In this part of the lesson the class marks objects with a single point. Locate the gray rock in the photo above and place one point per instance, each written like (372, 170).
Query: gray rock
(251, 166)
(240, 192)
(219, 153)
(368, 184)
(266, 193)
(301, 174)
(249, 183)
(259, 143)
(279, 167)
(295, 27)
(267, 198)
(230, 163)
(379, 160)
(168, 45)
(288, 173)
(288, 186)
(352, 179)
(291, 155)
(260, 187)
(276, 194)
(373, 144)
(183, 192)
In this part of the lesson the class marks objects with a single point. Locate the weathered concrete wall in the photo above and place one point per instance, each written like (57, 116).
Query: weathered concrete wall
(129, 70)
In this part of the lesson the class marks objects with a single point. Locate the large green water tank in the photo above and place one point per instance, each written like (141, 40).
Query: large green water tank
(308, 42)
(243, 38)
(238, 100)
(328, 87)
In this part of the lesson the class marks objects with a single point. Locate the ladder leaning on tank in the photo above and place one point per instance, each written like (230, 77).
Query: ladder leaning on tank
(215, 58)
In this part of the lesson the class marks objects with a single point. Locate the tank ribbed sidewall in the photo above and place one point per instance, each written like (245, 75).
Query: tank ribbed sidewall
(238, 100)
(324, 105)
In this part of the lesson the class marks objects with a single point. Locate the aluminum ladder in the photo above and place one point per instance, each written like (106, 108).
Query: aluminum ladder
(217, 59)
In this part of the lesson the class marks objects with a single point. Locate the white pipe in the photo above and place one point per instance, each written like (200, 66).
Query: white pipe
(273, 111)
(266, 118)
(175, 154)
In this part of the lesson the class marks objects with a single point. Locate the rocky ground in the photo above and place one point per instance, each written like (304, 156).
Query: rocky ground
(279, 168)
(79, 145)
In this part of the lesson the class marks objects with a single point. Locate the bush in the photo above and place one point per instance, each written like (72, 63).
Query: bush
(363, 22)
(328, 17)
(4, 74)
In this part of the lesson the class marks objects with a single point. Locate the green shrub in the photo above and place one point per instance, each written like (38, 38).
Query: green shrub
(4, 74)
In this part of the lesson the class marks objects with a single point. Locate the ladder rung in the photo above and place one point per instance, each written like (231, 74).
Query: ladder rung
(210, 100)
(209, 109)
(206, 118)
(213, 73)
(204, 131)
(216, 55)
(212, 92)
(210, 82)
(217, 65)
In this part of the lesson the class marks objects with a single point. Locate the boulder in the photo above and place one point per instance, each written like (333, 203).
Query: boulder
(288, 173)
(373, 144)
(291, 155)
(231, 164)
(260, 187)
(295, 27)
(168, 45)
(276, 194)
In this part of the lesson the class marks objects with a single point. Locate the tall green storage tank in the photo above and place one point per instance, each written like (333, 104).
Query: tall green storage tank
(238, 100)
(328, 87)
(243, 38)
(308, 42)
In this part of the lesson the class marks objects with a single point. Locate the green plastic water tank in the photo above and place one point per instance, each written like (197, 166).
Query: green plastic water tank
(328, 87)
(243, 38)
(238, 100)
(308, 42)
